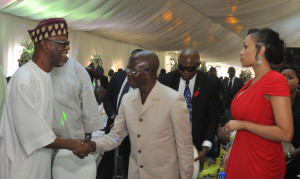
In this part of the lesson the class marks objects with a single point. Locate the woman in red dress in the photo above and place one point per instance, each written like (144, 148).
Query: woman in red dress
(261, 111)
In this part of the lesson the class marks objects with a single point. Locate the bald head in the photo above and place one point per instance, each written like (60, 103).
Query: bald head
(147, 59)
(99, 94)
(192, 53)
(188, 62)
(142, 69)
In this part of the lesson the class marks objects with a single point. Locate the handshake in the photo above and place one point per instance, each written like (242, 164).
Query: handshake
(83, 148)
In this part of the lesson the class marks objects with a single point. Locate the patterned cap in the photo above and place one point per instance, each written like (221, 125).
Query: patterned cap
(49, 28)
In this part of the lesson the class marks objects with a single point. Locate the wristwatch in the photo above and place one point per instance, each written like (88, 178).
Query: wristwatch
(289, 155)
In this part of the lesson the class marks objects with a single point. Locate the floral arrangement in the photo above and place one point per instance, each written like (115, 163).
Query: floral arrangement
(27, 51)
(173, 60)
(97, 60)
(203, 66)
(246, 75)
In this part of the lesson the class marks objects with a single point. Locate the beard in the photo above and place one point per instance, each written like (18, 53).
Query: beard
(63, 59)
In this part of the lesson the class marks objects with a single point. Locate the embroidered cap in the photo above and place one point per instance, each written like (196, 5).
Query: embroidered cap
(49, 28)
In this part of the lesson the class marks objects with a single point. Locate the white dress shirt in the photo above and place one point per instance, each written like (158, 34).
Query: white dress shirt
(231, 80)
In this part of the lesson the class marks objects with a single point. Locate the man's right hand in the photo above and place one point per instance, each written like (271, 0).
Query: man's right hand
(82, 148)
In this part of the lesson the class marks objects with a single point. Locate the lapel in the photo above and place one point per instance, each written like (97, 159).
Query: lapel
(153, 96)
(226, 84)
(197, 85)
(234, 83)
(136, 100)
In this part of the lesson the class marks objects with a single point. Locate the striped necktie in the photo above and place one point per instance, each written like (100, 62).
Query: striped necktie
(187, 95)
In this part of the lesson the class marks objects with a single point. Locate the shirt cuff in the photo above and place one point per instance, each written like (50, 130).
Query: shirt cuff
(207, 143)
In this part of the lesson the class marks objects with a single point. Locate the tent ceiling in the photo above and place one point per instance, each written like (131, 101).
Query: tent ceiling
(215, 27)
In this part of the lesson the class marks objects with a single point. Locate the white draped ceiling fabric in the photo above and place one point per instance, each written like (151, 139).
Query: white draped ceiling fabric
(215, 27)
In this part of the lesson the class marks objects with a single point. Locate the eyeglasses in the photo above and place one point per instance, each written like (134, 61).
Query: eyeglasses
(189, 69)
(66, 43)
(136, 71)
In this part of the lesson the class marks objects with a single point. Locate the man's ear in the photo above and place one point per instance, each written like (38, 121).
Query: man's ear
(43, 46)
(149, 73)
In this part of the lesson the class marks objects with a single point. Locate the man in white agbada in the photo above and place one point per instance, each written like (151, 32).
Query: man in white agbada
(99, 94)
(76, 111)
(26, 125)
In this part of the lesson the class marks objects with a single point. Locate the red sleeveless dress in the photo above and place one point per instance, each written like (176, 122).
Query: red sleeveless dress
(253, 157)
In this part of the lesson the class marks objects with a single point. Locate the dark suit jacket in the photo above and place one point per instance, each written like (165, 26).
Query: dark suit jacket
(206, 105)
(229, 95)
(104, 81)
(292, 168)
(111, 96)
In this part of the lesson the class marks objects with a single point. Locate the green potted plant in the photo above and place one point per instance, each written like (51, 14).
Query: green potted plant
(97, 60)
(27, 52)
(203, 66)
(173, 60)
(246, 75)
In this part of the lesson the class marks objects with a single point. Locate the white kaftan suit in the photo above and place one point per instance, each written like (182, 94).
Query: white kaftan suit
(26, 125)
(75, 107)
(160, 134)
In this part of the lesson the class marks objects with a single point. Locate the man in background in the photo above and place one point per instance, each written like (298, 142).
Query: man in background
(202, 96)
(110, 73)
(99, 94)
(213, 73)
(76, 114)
(162, 72)
(230, 87)
(99, 79)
